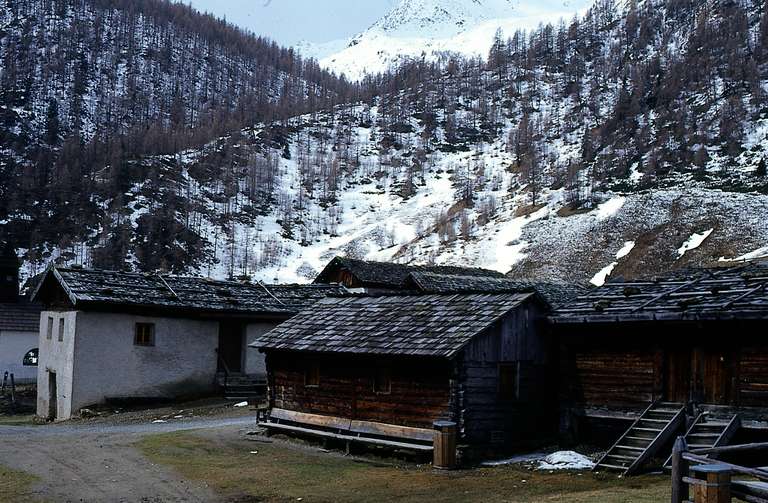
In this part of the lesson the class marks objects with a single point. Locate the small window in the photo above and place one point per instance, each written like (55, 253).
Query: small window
(49, 333)
(508, 381)
(312, 376)
(382, 381)
(145, 334)
(61, 329)
(30, 358)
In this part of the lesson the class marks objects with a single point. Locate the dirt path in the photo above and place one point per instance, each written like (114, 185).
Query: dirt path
(98, 463)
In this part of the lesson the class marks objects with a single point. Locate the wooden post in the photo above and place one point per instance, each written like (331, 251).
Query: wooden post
(712, 484)
(444, 445)
(679, 470)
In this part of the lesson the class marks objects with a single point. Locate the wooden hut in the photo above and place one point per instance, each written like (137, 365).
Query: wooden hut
(682, 354)
(387, 277)
(381, 370)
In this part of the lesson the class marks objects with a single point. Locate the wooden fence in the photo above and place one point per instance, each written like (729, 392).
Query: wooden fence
(715, 482)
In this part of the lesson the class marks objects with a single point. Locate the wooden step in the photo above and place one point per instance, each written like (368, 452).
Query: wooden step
(629, 448)
(612, 467)
(621, 456)
(653, 429)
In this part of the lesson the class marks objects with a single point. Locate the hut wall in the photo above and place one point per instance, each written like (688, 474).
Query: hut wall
(506, 382)
(419, 389)
(753, 376)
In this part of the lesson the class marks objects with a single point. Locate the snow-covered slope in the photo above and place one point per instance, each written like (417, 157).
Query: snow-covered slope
(549, 162)
(434, 28)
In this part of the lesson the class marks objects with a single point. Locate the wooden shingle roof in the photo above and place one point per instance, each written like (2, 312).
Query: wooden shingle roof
(418, 325)
(552, 293)
(92, 288)
(392, 275)
(734, 292)
(20, 317)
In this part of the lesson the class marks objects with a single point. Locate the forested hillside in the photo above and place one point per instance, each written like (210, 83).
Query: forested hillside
(630, 141)
(88, 86)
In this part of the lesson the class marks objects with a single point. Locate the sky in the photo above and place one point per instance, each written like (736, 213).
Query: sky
(292, 21)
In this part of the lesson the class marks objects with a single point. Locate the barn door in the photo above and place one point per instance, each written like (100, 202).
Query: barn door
(711, 375)
(678, 375)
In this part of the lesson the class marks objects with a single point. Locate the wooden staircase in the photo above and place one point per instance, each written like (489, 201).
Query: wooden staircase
(649, 433)
(708, 431)
(243, 387)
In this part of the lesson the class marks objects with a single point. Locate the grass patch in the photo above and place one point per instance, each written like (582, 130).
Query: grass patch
(18, 420)
(15, 485)
(281, 472)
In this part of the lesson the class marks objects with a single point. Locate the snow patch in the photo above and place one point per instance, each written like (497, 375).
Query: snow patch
(601, 277)
(755, 254)
(566, 460)
(625, 250)
(693, 242)
(610, 207)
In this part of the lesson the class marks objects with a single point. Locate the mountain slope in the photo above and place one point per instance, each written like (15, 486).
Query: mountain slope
(87, 87)
(432, 29)
(630, 142)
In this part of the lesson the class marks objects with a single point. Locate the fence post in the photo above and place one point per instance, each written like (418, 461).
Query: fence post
(444, 445)
(712, 484)
(679, 469)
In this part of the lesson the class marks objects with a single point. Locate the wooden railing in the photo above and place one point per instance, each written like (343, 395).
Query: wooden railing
(684, 460)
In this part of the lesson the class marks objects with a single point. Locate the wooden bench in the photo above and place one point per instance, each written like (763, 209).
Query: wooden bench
(365, 432)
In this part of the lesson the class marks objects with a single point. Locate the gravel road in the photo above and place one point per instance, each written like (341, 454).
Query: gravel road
(82, 462)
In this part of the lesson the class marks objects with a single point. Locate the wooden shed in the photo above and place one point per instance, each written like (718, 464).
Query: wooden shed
(383, 277)
(383, 369)
(672, 352)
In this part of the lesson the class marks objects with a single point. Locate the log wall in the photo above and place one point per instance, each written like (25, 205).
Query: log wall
(486, 417)
(420, 393)
(753, 377)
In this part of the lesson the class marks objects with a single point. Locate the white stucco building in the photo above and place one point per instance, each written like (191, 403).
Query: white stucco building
(19, 326)
(108, 335)
(19, 323)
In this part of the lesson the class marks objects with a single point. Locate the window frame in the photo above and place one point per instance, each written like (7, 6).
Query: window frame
(49, 329)
(312, 376)
(62, 327)
(37, 358)
(382, 374)
(141, 338)
(511, 391)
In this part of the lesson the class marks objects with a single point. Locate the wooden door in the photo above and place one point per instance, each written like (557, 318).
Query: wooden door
(678, 375)
(711, 376)
(231, 346)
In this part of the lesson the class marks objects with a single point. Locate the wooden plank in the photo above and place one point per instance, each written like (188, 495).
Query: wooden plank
(312, 419)
(350, 438)
(392, 430)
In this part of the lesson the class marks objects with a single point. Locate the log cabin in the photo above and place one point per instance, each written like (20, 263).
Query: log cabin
(643, 361)
(382, 369)
(386, 277)
(109, 336)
